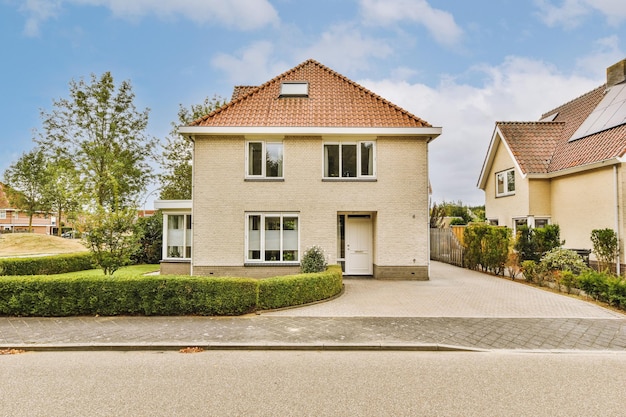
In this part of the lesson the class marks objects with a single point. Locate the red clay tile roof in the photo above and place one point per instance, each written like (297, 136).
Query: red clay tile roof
(241, 90)
(333, 101)
(4, 201)
(544, 147)
(532, 143)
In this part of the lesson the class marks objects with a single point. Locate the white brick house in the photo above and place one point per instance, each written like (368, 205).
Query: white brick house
(309, 158)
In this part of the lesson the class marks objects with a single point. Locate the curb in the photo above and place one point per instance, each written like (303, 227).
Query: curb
(121, 347)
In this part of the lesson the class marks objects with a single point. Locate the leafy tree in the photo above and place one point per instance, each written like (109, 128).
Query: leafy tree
(177, 155)
(99, 131)
(26, 180)
(61, 191)
(437, 213)
(111, 237)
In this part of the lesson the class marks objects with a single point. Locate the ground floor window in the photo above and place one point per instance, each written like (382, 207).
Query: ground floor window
(178, 236)
(272, 237)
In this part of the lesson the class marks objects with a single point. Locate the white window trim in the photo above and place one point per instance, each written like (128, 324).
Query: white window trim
(358, 160)
(263, 175)
(506, 183)
(262, 238)
(166, 231)
(3, 214)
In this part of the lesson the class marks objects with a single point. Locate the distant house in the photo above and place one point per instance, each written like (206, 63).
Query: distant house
(13, 220)
(309, 158)
(567, 168)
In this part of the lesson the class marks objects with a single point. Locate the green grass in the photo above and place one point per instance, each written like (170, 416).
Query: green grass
(132, 270)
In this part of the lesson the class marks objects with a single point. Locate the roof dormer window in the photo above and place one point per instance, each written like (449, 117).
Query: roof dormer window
(294, 89)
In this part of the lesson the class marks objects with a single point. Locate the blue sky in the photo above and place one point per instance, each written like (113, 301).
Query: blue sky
(461, 65)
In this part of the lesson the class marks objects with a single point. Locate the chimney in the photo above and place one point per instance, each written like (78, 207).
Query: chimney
(616, 73)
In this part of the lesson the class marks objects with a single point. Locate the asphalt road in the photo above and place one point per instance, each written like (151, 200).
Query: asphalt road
(308, 383)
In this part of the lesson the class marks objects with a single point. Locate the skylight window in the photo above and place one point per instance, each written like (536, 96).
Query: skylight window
(294, 89)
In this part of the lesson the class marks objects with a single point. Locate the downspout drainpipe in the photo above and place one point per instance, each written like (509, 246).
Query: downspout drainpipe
(618, 263)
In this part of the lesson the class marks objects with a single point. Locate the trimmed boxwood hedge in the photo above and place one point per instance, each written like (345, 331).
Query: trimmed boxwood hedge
(278, 292)
(47, 265)
(159, 295)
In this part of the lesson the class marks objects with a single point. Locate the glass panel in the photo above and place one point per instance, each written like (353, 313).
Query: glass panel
(510, 180)
(367, 158)
(188, 236)
(341, 232)
(539, 223)
(255, 158)
(272, 238)
(175, 236)
(254, 237)
(290, 239)
(274, 160)
(500, 183)
(331, 160)
(348, 160)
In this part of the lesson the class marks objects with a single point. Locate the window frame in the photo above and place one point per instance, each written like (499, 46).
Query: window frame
(187, 240)
(262, 239)
(358, 144)
(263, 175)
(3, 214)
(505, 175)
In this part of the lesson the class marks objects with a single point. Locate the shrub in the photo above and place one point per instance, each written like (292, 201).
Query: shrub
(131, 294)
(292, 290)
(149, 232)
(605, 246)
(486, 247)
(313, 260)
(594, 283)
(525, 245)
(533, 272)
(472, 243)
(47, 265)
(495, 249)
(559, 259)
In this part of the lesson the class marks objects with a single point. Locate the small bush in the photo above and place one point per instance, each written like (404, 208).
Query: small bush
(47, 265)
(313, 260)
(595, 284)
(559, 259)
(605, 247)
(533, 272)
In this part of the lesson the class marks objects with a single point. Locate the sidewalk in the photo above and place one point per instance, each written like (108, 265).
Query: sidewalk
(456, 310)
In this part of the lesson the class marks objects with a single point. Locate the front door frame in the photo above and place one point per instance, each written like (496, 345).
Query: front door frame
(359, 244)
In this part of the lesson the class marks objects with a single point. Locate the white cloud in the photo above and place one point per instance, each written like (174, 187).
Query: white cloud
(606, 52)
(519, 89)
(345, 48)
(38, 11)
(252, 65)
(571, 13)
(439, 23)
(239, 14)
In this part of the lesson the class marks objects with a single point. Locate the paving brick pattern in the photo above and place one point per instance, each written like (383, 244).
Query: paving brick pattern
(457, 308)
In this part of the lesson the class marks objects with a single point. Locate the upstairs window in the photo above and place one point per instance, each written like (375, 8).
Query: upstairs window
(264, 160)
(3, 214)
(505, 183)
(350, 160)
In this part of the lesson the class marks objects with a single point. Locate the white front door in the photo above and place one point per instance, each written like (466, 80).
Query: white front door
(359, 245)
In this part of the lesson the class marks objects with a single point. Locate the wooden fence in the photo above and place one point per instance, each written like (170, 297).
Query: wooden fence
(445, 245)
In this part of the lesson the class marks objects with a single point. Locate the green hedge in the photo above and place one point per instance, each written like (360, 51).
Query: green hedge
(278, 292)
(47, 265)
(159, 295)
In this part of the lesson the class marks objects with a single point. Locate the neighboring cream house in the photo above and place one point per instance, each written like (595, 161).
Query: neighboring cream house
(567, 168)
(310, 158)
(13, 220)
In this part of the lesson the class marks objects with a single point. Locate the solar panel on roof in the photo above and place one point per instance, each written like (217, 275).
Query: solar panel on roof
(609, 113)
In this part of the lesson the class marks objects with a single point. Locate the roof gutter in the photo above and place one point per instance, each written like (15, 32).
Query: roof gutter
(576, 169)
(428, 132)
